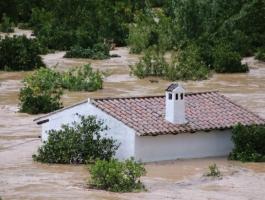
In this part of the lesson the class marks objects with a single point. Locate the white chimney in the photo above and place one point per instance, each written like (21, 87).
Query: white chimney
(175, 104)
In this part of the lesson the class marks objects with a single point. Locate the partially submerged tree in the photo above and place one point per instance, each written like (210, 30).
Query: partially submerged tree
(80, 142)
(41, 92)
(20, 53)
(117, 176)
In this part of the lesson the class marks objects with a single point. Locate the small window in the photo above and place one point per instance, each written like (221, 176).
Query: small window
(177, 96)
(181, 96)
(169, 96)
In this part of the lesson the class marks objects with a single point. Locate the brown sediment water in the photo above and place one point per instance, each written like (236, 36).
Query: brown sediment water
(21, 178)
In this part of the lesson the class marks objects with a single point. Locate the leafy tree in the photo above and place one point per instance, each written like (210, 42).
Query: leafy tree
(41, 92)
(260, 55)
(117, 176)
(187, 64)
(82, 78)
(248, 143)
(6, 25)
(227, 60)
(80, 142)
(20, 53)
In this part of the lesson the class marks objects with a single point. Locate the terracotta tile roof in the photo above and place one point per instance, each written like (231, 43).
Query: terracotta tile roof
(205, 111)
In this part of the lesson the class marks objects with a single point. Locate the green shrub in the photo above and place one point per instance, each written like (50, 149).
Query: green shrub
(260, 55)
(186, 65)
(213, 171)
(117, 176)
(20, 53)
(41, 92)
(6, 25)
(152, 64)
(249, 143)
(82, 78)
(140, 34)
(80, 142)
(226, 60)
(99, 51)
(23, 25)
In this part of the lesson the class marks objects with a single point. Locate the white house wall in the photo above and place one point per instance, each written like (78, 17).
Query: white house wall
(120, 132)
(185, 145)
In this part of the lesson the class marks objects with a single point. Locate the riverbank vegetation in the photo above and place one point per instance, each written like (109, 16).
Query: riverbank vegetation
(20, 53)
(6, 25)
(249, 143)
(221, 32)
(260, 55)
(43, 88)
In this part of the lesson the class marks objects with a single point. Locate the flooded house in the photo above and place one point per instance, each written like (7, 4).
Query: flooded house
(176, 125)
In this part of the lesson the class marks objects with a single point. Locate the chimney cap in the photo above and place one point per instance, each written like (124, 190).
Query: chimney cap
(172, 87)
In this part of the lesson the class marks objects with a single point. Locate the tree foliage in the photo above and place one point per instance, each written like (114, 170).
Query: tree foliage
(98, 51)
(186, 64)
(82, 78)
(43, 89)
(249, 143)
(80, 142)
(20, 53)
(41, 92)
(260, 55)
(6, 25)
(223, 31)
(117, 176)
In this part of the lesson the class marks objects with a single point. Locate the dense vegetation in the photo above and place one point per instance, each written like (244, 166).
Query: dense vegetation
(249, 143)
(184, 65)
(6, 25)
(77, 143)
(20, 53)
(62, 25)
(41, 92)
(82, 79)
(260, 55)
(222, 31)
(117, 176)
(43, 88)
(98, 51)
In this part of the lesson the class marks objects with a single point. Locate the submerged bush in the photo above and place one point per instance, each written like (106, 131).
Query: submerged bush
(80, 142)
(20, 53)
(6, 25)
(226, 60)
(98, 51)
(187, 64)
(249, 143)
(152, 64)
(117, 176)
(213, 171)
(41, 92)
(43, 89)
(82, 78)
(260, 55)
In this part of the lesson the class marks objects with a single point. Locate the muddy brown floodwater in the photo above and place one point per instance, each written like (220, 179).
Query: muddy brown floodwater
(21, 178)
